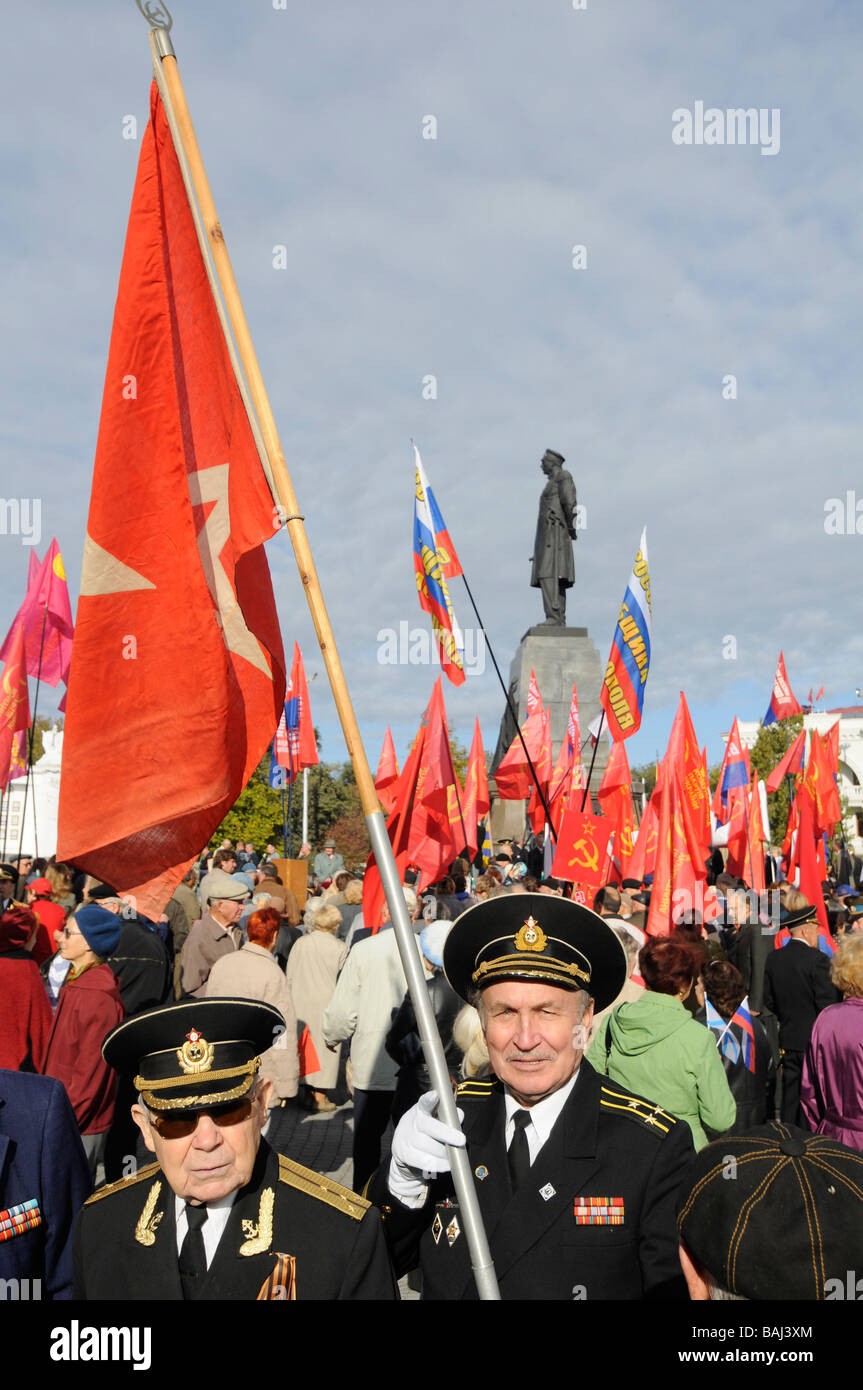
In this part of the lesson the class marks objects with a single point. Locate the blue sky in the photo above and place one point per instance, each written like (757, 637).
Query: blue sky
(453, 257)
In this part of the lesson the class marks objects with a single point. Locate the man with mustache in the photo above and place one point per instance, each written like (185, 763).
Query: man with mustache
(577, 1179)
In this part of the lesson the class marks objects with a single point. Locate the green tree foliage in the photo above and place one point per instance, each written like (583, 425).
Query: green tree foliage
(646, 773)
(334, 808)
(769, 749)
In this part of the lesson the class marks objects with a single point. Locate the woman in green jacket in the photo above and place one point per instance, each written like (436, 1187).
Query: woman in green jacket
(654, 1047)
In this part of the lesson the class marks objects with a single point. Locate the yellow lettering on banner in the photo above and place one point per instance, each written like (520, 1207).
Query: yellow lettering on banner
(620, 709)
(641, 574)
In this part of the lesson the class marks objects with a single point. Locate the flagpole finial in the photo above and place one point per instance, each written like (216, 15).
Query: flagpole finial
(157, 16)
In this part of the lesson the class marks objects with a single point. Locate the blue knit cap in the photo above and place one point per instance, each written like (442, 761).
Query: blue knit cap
(99, 928)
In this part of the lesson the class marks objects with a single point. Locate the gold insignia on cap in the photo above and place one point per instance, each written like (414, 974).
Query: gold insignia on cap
(196, 1054)
(530, 936)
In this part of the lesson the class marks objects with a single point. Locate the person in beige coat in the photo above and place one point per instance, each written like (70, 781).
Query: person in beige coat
(313, 967)
(252, 973)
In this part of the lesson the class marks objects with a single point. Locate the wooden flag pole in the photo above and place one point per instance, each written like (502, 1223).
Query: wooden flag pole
(213, 247)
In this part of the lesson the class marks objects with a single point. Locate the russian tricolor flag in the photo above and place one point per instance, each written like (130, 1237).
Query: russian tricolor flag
(622, 695)
(782, 702)
(434, 559)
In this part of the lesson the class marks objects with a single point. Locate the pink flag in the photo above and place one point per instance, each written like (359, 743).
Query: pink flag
(46, 604)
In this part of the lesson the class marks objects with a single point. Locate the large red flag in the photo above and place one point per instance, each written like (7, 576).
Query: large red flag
(14, 705)
(476, 798)
(177, 678)
(388, 773)
(46, 619)
(811, 876)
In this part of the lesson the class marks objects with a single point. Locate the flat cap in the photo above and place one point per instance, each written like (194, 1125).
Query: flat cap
(534, 937)
(775, 1213)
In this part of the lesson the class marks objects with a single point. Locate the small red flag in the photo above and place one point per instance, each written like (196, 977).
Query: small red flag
(14, 704)
(791, 763)
(388, 773)
(177, 679)
(476, 798)
(581, 857)
(310, 1062)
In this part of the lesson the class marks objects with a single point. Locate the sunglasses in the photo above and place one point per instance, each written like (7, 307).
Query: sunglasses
(183, 1125)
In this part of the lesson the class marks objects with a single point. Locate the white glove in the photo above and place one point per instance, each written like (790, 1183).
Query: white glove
(419, 1150)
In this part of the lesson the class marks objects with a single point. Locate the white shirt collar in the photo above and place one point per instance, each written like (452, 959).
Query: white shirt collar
(213, 1228)
(543, 1115)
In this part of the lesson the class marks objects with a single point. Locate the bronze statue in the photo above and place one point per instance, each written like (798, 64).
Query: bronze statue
(553, 567)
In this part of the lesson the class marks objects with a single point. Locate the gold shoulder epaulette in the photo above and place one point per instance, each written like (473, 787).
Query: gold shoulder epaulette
(316, 1185)
(644, 1110)
(476, 1088)
(140, 1176)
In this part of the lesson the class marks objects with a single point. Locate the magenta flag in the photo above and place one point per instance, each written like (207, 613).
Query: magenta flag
(47, 597)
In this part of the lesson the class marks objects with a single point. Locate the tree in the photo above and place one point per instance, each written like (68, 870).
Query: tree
(646, 773)
(769, 749)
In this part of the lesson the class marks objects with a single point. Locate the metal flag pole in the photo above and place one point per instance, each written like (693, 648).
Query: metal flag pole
(244, 360)
(305, 805)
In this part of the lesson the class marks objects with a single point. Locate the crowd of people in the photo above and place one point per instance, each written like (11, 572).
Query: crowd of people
(751, 1020)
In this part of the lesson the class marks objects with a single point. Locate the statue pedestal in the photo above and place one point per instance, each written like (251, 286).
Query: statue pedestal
(559, 656)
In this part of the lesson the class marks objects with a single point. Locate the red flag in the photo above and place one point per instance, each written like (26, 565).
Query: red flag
(388, 773)
(643, 860)
(680, 872)
(513, 777)
(581, 856)
(476, 798)
(782, 702)
(745, 838)
(310, 1062)
(14, 704)
(536, 806)
(296, 747)
(177, 678)
(419, 826)
(46, 605)
(566, 778)
(684, 754)
(615, 800)
(811, 876)
(791, 763)
(18, 758)
(820, 781)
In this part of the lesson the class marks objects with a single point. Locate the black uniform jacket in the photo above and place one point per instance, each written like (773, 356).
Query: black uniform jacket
(126, 1246)
(797, 986)
(559, 1236)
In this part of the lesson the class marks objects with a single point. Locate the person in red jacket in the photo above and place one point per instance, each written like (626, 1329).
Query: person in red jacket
(89, 1006)
(49, 915)
(25, 1014)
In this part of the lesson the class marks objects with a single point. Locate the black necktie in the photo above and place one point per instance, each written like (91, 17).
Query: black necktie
(518, 1153)
(193, 1257)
